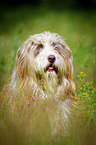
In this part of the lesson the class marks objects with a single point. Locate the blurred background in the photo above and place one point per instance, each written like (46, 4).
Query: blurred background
(75, 20)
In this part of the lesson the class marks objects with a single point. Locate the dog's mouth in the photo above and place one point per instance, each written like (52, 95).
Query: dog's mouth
(51, 68)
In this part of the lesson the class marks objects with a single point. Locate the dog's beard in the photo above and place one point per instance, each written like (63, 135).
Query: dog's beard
(48, 82)
(51, 79)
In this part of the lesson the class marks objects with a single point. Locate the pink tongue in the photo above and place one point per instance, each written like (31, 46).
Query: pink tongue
(50, 68)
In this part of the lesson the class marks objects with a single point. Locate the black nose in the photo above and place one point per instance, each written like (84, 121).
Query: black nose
(51, 58)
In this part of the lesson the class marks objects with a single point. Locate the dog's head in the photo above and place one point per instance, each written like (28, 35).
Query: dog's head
(45, 53)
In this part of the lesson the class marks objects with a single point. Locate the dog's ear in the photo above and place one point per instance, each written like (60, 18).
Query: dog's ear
(67, 55)
(21, 65)
(69, 66)
(69, 60)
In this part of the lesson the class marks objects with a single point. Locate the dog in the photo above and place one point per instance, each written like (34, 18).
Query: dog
(43, 72)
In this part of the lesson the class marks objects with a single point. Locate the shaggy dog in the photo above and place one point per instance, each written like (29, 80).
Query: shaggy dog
(43, 71)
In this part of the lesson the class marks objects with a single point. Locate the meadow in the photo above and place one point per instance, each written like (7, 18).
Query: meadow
(78, 27)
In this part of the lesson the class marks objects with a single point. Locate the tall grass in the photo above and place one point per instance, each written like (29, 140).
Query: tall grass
(31, 125)
(78, 27)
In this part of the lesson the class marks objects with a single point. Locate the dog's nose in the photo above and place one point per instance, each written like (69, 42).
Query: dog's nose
(51, 58)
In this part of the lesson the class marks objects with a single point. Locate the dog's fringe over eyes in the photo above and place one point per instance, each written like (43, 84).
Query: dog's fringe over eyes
(43, 71)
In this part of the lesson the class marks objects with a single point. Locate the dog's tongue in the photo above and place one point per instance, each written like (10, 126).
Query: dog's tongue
(50, 68)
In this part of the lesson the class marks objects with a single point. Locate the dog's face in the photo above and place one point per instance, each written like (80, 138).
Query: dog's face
(45, 54)
(48, 56)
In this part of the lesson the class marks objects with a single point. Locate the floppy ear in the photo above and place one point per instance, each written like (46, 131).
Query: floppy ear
(68, 72)
(69, 67)
(21, 65)
(67, 55)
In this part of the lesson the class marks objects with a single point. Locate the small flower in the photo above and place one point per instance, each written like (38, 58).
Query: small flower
(93, 89)
(84, 74)
(45, 98)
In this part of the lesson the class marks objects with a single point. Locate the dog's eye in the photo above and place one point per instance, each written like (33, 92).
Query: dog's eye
(57, 49)
(53, 44)
(38, 49)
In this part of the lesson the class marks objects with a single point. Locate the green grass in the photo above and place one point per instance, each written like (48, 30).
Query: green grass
(30, 125)
(77, 27)
(79, 30)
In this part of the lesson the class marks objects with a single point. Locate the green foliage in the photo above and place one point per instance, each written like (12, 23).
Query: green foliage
(87, 94)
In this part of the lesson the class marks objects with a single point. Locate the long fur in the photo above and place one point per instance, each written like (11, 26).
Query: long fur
(30, 82)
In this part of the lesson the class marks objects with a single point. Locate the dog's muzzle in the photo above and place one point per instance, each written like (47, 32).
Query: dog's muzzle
(51, 67)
